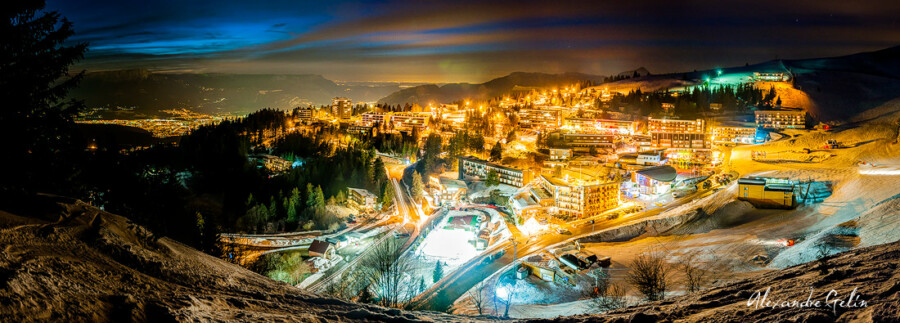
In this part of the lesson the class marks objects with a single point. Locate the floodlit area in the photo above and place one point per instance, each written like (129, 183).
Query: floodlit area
(453, 246)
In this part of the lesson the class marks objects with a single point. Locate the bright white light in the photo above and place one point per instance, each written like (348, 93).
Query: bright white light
(879, 171)
(452, 245)
(531, 226)
(502, 292)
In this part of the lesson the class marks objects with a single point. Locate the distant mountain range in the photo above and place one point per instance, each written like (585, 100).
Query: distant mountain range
(833, 88)
(140, 93)
(430, 93)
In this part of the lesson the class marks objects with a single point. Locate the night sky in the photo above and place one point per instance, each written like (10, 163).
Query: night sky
(466, 41)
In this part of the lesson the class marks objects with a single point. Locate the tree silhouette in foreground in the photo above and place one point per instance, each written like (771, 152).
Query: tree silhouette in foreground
(35, 119)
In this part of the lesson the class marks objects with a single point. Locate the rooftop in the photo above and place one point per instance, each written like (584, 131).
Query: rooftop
(663, 173)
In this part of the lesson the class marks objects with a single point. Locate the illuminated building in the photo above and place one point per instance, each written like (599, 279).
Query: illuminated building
(770, 77)
(476, 167)
(580, 198)
(767, 192)
(363, 199)
(359, 129)
(540, 118)
(320, 248)
(454, 118)
(604, 126)
(587, 140)
(272, 163)
(645, 158)
(371, 118)
(653, 181)
(304, 115)
(447, 189)
(408, 121)
(560, 153)
(642, 142)
(784, 118)
(734, 134)
(679, 140)
(341, 108)
(685, 141)
(525, 206)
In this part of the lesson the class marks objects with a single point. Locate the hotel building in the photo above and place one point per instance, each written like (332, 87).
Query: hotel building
(341, 108)
(540, 118)
(475, 167)
(580, 199)
(781, 119)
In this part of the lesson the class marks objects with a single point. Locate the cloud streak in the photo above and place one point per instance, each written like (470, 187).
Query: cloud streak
(469, 40)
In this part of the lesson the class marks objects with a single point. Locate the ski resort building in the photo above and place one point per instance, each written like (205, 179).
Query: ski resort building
(784, 118)
(734, 134)
(546, 118)
(580, 198)
(586, 141)
(476, 167)
(601, 126)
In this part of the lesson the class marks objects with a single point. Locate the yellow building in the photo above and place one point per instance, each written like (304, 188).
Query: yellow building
(784, 118)
(734, 134)
(579, 199)
(767, 192)
(545, 118)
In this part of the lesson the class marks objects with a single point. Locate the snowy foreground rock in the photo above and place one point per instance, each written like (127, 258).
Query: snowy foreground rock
(78, 263)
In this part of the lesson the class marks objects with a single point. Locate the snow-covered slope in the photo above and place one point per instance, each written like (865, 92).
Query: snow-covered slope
(94, 266)
(874, 272)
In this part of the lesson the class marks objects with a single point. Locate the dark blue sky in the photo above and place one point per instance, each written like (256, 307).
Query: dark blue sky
(468, 40)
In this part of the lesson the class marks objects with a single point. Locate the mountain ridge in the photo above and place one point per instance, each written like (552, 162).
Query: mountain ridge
(450, 92)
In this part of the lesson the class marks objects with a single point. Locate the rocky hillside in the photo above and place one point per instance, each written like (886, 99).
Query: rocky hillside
(67, 261)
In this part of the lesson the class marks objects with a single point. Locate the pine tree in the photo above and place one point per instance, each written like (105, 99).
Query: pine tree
(379, 175)
(320, 198)
(493, 178)
(310, 196)
(497, 152)
(438, 272)
(417, 186)
(387, 195)
(37, 130)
